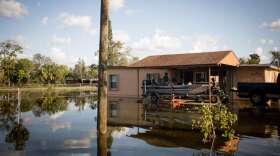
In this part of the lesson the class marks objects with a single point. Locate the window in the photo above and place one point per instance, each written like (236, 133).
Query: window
(201, 77)
(114, 82)
(153, 76)
(113, 109)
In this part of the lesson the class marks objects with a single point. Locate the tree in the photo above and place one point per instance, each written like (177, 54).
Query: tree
(243, 60)
(92, 71)
(275, 58)
(118, 54)
(80, 68)
(254, 59)
(47, 73)
(39, 60)
(8, 53)
(22, 71)
(60, 73)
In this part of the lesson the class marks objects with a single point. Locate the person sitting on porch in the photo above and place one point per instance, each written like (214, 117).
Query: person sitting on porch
(165, 78)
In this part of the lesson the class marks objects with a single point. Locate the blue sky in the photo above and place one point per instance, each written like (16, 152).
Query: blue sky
(68, 29)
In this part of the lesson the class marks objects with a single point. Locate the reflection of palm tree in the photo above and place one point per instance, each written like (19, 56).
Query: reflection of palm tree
(18, 136)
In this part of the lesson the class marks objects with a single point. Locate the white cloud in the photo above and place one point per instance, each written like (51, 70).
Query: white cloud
(77, 143)
(129, 12)
(12, 9)
(163, 43)
(75, 21)
(274, 25)
(275, 48)
(206, 43)
(263, 56)
(263, 41)
(21, 40)
(57, 54)
(55, 40)
(266, 41)
(57, 115)
(45, 20)
(120, 35)
(116, 4)
(56, 126)
(259, 51)
(159, 41)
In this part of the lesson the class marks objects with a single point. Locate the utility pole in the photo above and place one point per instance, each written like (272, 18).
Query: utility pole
(102, 69)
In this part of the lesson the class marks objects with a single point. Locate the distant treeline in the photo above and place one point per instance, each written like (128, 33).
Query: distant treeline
(40, 69)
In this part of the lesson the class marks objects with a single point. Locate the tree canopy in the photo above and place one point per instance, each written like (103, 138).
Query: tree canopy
(40, 69)
(253, 59)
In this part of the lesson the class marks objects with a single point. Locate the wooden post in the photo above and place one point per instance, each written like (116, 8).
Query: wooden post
(102, 145)
(209, 84)
(102, 68)
(18, 107)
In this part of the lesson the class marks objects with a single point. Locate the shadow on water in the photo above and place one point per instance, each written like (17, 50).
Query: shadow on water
(65, 124)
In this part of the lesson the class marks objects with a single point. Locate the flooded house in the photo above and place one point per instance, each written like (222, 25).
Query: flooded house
(219, 67)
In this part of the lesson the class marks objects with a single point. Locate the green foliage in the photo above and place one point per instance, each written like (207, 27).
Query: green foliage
(275, 58)
(8, 53)
(41, 69)
(118, 53)
(253, 59)
(80, 69)
(215, 118)
(47, 74)
(18, 136)
(23, 70)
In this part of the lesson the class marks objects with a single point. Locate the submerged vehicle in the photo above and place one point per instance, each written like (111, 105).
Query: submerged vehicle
(259, 93)
(198, 92)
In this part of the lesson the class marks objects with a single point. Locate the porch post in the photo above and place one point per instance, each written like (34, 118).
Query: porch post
(209, 84)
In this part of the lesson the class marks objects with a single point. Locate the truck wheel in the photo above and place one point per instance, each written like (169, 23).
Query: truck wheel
(257, 98)
(154, 98)
(214, 99)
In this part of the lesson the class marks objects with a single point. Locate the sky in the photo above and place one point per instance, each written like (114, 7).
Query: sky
(67, 30)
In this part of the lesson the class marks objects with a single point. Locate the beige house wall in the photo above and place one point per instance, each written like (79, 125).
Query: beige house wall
(130, 81)
(127, 82)
(254, 74)
(271, 75)
(230, 59)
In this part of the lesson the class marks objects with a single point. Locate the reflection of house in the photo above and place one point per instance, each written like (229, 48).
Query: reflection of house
(125, 111)
(223, 67)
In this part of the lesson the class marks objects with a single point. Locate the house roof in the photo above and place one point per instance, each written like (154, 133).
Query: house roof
(261, 66)
(189, 59)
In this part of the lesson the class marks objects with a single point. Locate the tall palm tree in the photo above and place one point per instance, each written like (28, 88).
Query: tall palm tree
(275, 57)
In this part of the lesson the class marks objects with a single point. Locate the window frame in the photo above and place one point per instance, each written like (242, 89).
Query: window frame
(117, 82)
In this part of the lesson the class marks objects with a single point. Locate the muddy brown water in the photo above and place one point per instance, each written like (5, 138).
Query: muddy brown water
(65, 124)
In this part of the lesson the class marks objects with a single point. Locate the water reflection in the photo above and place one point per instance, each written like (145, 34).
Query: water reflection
(172, 129)
(18, 135)
(56, 124)
(102, 145)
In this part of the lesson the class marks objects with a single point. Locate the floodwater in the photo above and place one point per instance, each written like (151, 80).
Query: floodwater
(65, 124)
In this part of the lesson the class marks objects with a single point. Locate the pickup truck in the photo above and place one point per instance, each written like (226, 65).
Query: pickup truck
(259, 93)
